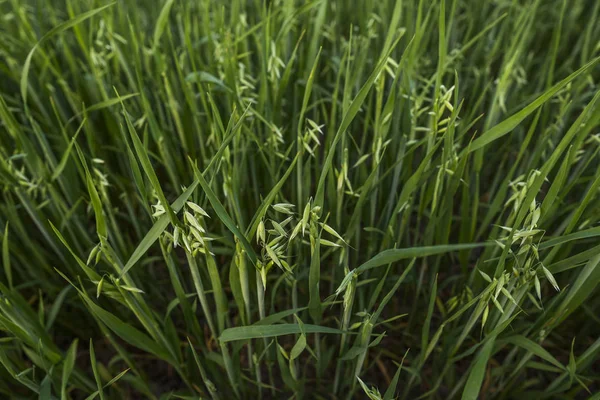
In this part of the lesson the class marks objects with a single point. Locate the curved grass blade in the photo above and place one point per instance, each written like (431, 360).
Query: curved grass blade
(65, 158)
(582, 288)
(475, 379)
(95, 370)
(94, 198)
(102, 105)
(513, 121)
(161, 22)
(535, 348)
(6, 258)
(393, 255)
(264, 331)
(58, 302)
(389, 393)
(62, 27)
(68, 365)
(125, 331)
(585, 234)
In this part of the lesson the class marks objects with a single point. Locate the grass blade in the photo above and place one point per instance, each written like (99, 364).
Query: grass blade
(265, 331)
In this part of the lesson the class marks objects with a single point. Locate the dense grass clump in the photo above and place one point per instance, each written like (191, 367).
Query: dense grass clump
(288, 199)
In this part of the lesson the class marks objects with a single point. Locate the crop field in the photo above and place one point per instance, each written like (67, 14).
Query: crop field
(285, 199)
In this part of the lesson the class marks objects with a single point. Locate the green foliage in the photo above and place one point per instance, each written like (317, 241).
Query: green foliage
(299, 199)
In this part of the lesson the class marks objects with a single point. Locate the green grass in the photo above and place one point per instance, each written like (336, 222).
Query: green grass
(285, 199)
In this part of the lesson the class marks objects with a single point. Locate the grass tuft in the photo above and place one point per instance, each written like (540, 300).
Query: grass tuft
(284, 199)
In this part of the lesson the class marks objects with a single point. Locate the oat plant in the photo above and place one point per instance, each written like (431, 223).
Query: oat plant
(323, 199)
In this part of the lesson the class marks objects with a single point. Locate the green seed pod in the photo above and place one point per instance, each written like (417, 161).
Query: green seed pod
(93, 254)
(260, 235)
